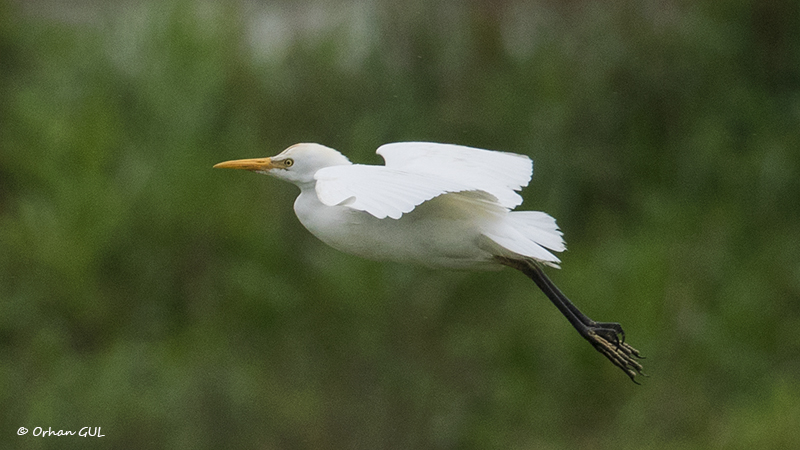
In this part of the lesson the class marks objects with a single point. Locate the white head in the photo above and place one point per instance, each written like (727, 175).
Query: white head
(297, 164)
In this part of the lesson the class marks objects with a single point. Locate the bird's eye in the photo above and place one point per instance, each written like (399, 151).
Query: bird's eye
(288, 162)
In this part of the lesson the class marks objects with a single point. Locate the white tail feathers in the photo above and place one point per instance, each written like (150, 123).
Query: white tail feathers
(528, 234)
(539, 227)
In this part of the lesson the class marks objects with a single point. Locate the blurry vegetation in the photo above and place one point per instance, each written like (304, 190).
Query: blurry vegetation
(180, 307)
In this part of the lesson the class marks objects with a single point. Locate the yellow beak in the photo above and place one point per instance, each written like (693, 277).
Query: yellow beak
(247, 164)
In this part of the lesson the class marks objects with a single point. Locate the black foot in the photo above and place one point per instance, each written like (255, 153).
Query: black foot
(607, 341)
(610, 331)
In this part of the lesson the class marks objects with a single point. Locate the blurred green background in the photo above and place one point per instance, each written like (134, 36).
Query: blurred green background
(177, 306)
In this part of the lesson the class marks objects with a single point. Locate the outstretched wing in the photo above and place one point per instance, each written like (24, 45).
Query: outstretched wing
(379, 190)
(498, 173)
(416, 172)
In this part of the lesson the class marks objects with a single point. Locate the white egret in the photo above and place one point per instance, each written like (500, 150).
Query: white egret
(439, 205)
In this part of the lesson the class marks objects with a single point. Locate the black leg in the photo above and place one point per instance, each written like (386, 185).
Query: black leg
(608, 338)
(611, 331)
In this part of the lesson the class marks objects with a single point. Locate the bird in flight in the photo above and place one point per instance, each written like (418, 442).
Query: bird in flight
(439, 205)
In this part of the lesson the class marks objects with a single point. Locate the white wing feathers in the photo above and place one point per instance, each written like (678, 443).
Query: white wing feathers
(497, 173)
(416, 172)
(379, 190)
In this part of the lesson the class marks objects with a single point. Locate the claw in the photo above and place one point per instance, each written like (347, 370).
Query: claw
(621, 355)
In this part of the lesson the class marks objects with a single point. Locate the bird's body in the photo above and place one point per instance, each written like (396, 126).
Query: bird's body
(438, 205)
(439, 233)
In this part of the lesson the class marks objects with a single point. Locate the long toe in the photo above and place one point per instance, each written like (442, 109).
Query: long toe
(620, 354)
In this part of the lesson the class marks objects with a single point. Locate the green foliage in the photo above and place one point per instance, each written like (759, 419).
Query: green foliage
(180, 307)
